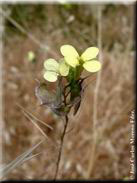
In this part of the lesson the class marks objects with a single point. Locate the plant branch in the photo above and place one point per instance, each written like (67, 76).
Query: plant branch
(92, 153)
(61, 146)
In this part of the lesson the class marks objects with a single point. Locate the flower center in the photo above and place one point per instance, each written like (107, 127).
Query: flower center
(80, 61)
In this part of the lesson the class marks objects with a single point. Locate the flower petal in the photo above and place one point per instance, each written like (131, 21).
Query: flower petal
(90, 53)
(72, 61)
(50, 76)
(51, 65)
(68, 51)
(63, 69)
(92, 66)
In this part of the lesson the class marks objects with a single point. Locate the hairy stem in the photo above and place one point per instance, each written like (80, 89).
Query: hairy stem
(61, 146)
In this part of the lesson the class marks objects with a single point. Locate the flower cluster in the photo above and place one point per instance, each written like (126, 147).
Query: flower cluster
(71, 59)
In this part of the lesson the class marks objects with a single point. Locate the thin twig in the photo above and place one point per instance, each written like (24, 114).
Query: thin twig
(95, 114)
(61, 146)
(19, 27)
(19, 160)
(30, 114)
(37, 126)
(28, 34)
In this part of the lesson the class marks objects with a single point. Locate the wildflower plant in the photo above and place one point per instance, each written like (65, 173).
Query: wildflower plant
(69, 84)
(68, 68)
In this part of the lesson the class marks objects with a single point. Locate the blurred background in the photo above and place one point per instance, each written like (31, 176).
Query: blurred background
(97, 143)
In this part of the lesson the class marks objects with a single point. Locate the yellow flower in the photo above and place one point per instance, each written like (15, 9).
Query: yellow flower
(54, 69)
(31, 56)
(87, 59)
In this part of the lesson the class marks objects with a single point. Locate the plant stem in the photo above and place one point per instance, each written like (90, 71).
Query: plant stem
(61, 146)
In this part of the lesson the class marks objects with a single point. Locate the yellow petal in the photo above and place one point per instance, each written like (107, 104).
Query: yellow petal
(63, 69)
(51, 65)
(50, 76)
(72, 61)
(92, 66)
(68, 51)
(31, 56)
(89, 53)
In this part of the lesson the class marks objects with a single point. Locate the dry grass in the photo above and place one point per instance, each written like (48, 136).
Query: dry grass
(115, 97)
